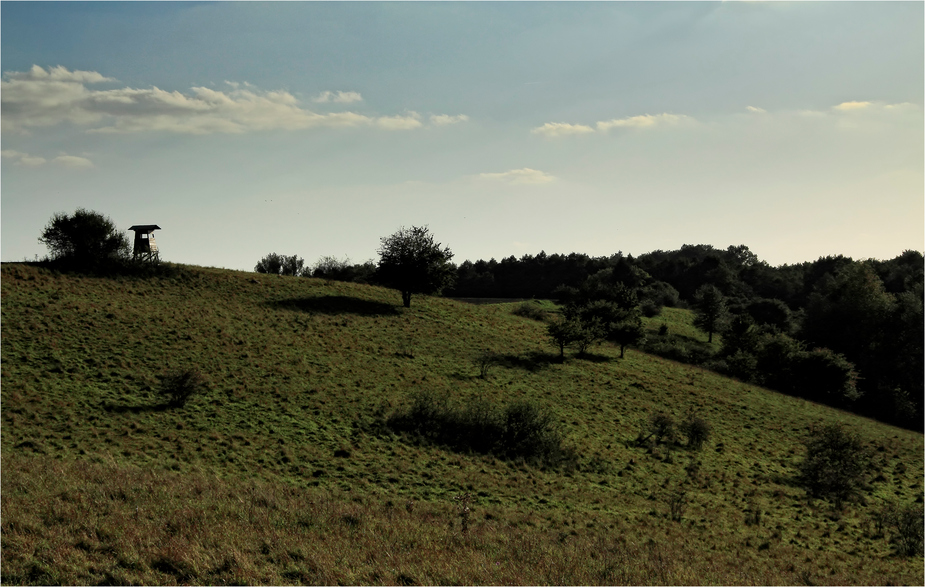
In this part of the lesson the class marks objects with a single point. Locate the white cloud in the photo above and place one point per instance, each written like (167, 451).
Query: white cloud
(446, 119)
(849, 106)
(756, 110)
(901, 106)
(59, 74)
(561, 129)
(40, 98)
(29, 161)
(858, 107)
(73, 162)
(65, 160)
(338, 97)
(520, 176)
(407, 122)
(641, 121)
(23, 159)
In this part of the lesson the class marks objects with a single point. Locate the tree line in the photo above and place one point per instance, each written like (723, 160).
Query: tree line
(836, 330)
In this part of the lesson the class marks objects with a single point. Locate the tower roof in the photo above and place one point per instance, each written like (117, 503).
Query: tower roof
(145, 227)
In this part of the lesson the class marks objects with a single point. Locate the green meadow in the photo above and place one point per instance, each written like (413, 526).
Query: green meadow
(282, 471)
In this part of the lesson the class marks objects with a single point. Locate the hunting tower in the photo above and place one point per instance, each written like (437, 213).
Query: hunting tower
(145, 247)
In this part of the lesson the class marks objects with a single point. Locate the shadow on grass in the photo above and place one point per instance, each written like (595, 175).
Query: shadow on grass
(335, 305)
(533, 362)
(593, 357)
(135, 409)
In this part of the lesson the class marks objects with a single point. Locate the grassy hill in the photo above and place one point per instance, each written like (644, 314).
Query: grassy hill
(281, 472)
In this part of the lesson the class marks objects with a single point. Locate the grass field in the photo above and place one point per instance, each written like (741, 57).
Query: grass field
(280, 472)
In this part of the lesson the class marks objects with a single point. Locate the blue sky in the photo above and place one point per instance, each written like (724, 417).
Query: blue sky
(508, 128)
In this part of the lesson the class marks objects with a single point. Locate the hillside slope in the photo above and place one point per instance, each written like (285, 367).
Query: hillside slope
(301, 370)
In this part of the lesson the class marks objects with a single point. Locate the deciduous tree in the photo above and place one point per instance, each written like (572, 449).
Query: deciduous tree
(85, 239)
(411, 261)
(281, 264)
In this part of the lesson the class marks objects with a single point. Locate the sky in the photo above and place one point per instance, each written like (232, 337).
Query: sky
(315, 129)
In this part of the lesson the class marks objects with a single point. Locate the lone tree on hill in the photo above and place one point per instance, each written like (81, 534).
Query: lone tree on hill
(709, 310)
(412, 262)
(86, 239)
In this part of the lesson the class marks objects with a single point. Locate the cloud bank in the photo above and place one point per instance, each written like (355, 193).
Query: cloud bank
(42, 98)
(561, 129)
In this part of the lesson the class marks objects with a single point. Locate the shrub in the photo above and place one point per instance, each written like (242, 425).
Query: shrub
(521, 430)
(650, 308)
(178, 386)
(531, 310)
(677, 503)
(678, 348)
(836, 463)
(742, 365)
(661, 428)
(822, 374)
(485, 361)
(907, 524)
(529, 431)
(696, 429)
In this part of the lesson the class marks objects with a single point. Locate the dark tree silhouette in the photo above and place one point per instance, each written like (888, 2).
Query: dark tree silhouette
(85, 240)
(411, 261)
(564, 332)
(281, 264)
(709, 310)
(629, 331)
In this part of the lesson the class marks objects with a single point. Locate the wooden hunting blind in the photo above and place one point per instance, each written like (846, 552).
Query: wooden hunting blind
(145, 247)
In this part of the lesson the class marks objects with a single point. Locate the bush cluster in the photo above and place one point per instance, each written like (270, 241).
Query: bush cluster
(696, 429)
(905, 525)
(531, 310)
(277, 264)
(178, 386)
(520, 430)
(836, 463)
(662, 428)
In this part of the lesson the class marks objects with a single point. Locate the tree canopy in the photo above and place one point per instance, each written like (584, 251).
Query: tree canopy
(85, 239)
(281, 265)
(412, 262)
